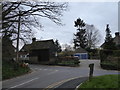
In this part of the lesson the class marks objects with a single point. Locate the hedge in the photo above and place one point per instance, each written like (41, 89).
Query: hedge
(11, 69)
(105, 53)
(110, 59)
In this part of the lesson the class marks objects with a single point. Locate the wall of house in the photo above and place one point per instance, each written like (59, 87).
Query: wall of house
(52, 51)
(33, 60)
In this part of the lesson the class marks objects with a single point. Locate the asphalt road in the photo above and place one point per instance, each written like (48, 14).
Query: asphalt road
(44, 76)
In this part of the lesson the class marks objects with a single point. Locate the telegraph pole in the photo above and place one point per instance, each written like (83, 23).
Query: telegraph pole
(18, 36)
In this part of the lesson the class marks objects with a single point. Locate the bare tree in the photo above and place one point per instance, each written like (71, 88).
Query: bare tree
(67, 47)
(30, 13)
(93, 36)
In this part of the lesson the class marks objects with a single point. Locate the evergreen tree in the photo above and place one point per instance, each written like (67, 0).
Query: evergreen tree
(108, 37)
(8, 50)
(109, 44)
(58, 47)
(80, 40)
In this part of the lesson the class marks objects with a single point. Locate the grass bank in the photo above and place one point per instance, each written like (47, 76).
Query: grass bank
(10, 70)
(106, 81)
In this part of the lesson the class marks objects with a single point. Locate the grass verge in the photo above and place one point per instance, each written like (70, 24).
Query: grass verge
(106, 81)
(9, 71)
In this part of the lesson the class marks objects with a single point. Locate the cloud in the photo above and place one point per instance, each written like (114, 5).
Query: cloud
(97, 13)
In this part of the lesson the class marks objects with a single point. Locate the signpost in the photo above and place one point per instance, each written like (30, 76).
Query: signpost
(91, 66)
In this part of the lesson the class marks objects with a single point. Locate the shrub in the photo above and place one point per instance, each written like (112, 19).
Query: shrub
(68, 61)
(110, 59)
(110, 66)
(104, 54)
(10, 69)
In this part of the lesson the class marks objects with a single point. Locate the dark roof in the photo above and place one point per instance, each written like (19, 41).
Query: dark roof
(102, 45)
(43, 44)
(80, 50)
(117, 40)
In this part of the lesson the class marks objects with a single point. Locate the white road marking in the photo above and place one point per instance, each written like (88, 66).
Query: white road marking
(36, 68)
(24, 83)
(53, 72)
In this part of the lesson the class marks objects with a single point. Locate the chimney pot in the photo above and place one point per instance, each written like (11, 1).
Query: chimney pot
(33, 39)
(117, 34)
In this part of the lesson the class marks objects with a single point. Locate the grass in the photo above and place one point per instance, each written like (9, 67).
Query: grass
(106, 81)
(8, 70)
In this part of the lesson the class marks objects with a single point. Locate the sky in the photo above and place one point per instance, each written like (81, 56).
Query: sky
(98, 14)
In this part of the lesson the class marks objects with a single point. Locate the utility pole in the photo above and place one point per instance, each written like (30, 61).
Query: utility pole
(18, 36)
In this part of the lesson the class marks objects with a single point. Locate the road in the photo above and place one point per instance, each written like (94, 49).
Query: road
(43, 76)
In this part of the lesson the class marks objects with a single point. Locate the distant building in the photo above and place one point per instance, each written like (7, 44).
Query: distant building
(81, 53)
(116, 40)
(38, 51)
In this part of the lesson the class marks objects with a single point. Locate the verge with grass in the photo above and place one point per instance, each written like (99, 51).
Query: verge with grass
(105, 81)
(10, 70)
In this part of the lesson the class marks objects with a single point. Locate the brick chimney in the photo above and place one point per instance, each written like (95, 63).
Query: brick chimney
(33, 39)
(117, 34)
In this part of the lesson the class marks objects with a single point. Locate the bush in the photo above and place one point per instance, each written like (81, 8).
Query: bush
(10, 69)
(110, 59)
(68, 61)
(110, 65)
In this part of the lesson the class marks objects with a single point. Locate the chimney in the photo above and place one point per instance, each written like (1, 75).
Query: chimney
(33, 39)
(117, 34)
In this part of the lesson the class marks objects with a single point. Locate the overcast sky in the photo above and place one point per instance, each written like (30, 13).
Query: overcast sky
(97, 13)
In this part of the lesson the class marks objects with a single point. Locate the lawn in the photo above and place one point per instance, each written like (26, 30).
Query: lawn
(106, 81)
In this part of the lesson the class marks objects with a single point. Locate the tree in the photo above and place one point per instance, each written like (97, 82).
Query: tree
(58, 47)
(108, 37)
(8, 50)
(20, 18)
(108, 44)
(80, 40)
(30, 12)
(93, 36)
(67, 47)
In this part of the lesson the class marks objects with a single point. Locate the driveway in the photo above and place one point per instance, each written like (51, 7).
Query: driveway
(44, 76)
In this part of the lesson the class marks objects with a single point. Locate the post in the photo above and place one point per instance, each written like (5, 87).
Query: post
(17, 47)
(91, 66)
(18, 36)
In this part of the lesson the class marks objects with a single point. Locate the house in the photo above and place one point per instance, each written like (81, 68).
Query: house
(81, 53)
(116, 40)
(38, 51)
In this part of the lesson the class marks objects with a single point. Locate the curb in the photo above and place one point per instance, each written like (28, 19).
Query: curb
(78, 86)
(73, 83)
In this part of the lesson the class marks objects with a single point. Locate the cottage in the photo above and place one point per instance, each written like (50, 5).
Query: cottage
(81, 53)
(38, 51)
(117, 38)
